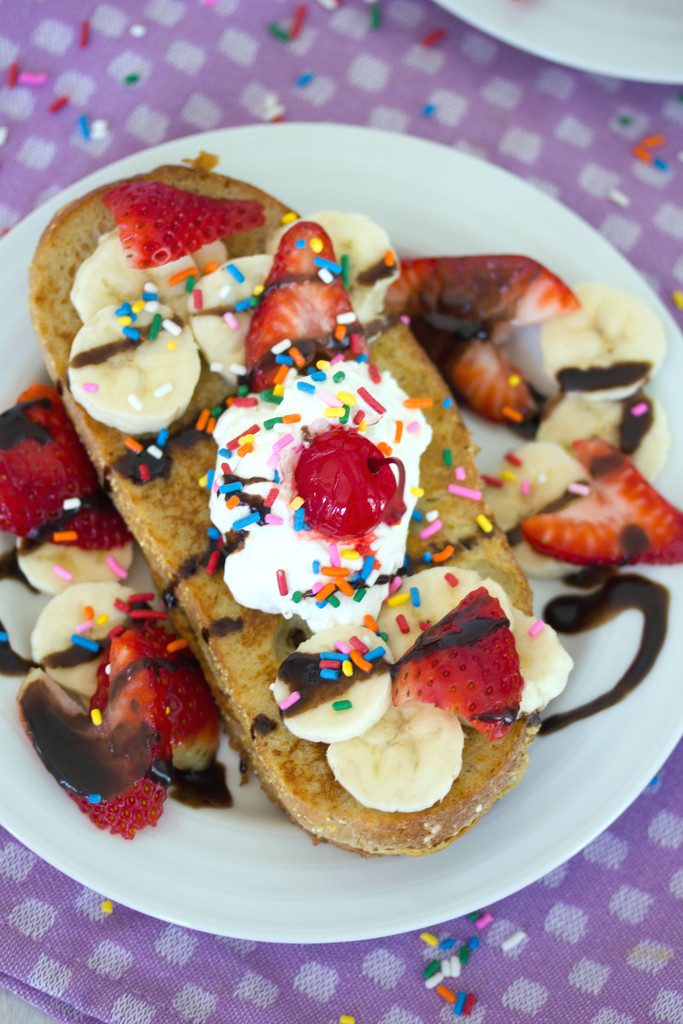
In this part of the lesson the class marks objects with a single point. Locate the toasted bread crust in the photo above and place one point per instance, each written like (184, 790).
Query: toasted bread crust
(169, 518)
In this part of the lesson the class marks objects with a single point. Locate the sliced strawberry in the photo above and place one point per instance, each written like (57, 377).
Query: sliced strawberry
(483, 376)
(467, 663)
(297, 304)
(479, 290)
(98, 526)
(124, 815)
(622, 521)
(158, 223)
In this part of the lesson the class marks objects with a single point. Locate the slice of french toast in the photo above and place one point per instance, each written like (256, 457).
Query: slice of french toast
(239, 648)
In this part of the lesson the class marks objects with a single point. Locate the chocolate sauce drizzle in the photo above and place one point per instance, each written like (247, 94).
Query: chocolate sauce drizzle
(11, 663)
(301, 672)
(222, 627)
(15, 425)
(632, 429)
(103, 353)
(129, 463)
(595, 378)
(262, 725)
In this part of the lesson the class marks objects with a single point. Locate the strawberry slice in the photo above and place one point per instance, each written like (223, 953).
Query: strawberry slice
(124, 815)
(158, 223)
(467, 663)
(622, 521)
(297, 304)
(483, 376)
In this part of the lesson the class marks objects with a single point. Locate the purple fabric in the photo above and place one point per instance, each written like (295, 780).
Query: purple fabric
(604, 931)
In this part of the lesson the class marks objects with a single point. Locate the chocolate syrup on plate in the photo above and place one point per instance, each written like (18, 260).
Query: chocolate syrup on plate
(207, 788)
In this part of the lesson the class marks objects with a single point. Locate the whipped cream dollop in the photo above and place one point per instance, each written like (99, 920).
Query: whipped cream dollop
(275, 563)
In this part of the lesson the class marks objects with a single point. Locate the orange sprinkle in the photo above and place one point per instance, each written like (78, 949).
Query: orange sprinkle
(282, 372)
(244, 449)
(359, 661)
(211, 425)
(399, 431)
(299, 360)
(325, 592)
(445, 993)
(443, 555)
(331, 570)
(176, 645)
(370, 623)
(134, 445)
(203, 419)
(233, 501)
(340, 332)
(291, 417)
(512, 414)
(385, 448)
(88, 612)
(653, 140)
(389, 258)
(642, 154)
(210, 267)
(64, 535)
(418, 403)
(182, 275)
(345, 588)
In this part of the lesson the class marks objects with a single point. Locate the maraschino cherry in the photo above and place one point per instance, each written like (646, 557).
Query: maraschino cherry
(347, 484)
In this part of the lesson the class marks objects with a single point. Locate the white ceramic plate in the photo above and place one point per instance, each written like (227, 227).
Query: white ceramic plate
(248, 872)
(625, 38)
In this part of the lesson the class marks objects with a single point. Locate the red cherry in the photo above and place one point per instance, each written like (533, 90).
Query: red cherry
(347, 484)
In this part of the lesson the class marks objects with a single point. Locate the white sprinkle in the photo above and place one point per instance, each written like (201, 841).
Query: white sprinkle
(456, 966)
(329, 5)
(137, 30)
(679, 155)
(431, 516)
(577, 488)
(216, 367)
(99, 128)
(325, 276)
(164, 389)
(107, 669)
(446, 968)
(541, 478)
(152, 306)
(172, 327)
(238, 369)
(149, 286)
(135, 402)
(346, 318)
(70, 503)
(513, 940)
(155, 452)
(224, 292)
(4, 132)
(434, 980)
(281, 347)
(618, 197)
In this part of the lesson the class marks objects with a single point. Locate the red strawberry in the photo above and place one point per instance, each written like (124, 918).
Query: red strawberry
(300, 306)
(622, 521)
(158, 223)
(467, 663)
(484, 377)
(124, 815)
(98, 526)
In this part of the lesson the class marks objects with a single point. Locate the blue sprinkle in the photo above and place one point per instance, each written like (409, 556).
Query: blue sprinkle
(162, 437)
(448, 403)
(230, 488)
(660, 164)
(304, 79)
(459, 1003)
(316, 567)
(299, 517)
(150, 296)
(84, 126)
(225, 453)
(428, 109)
(321, 604)
(236, 272)
(334, 268)
(332, 656)
(300, 243)
(417, 515)
(368, 566)
(4, 637)
(284, 360)
(132, 333)
(427, 557)
(241, 524)
(210, 474)
(213, 533)
(328, 673)
(124, 309)
(473, 942)
(317, 375)
(244, 304)
(94, 798)
(375, 653)
(305, 386)
(362, 358)
(276, 477)
(447, 944)
(356, 576)
(82, 641)
(415, 597)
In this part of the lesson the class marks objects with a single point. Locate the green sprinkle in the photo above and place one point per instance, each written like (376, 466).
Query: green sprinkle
(432, 967)
(334, 601)
(447, 456)
(131, 79)
(346, 270)
(243, 390)
(345, 417)
(269, 397)
(155, 326)
(279, 33)
(190, 283)
(339, 377)
(341, 705)
(463, 954)
(624, 119)
(218, 410)
(375, 16)
(269, 424)
(360, 594)
(383, 636)
(297, 596)
(473, 916)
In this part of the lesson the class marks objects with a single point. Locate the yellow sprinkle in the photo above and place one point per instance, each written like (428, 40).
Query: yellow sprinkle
(430, 939)
(347, 668)
(96, 716)
(323, 364)
(484, 523)
(171, 346)
(202, 481)
(125, 320)
(296, 503)
(507, 474)
(349, 554)
(417, 492)
(107, 906)
(334, 412)
(101, 619)
(246, 439)
(346, 1018)
(289, 218)
(278, 390)
(362, 426)
(678, 299)
(317, 244)
(397, 599)
(138, 306)
(346, 397)
(514, 380)
(167, 710)
(259, 289)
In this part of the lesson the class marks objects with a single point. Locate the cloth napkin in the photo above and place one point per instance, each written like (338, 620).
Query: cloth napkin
(598, 940)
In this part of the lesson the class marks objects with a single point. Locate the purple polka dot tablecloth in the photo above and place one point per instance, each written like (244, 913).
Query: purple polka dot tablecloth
(599, 940)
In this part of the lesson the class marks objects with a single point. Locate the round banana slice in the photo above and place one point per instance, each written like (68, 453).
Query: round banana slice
(104, 278)
(136, 386)
(608, 348)
(219, 329)
(367, 245)
(407, 762)
(51, 568)
(74, 666)
(542, 479)
(438, 594)
(319, 721)
(543, 662)
(645, 437)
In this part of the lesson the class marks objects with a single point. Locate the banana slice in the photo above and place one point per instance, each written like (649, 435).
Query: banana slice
(407, 762)
(542, 479)
(543, 661)
(573, 416)
(366, 244)
(437, 595)
(74, 565)
(73, 666)
(370, 695)
(607, 349)
(137, 387)
(222, 341)
(104, 278)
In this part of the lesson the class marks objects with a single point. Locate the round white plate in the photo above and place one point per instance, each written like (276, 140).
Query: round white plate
(248, 872)
(624, 38)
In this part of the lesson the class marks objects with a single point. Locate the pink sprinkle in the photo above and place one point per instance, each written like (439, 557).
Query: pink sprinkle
(483, 920)
(63, 573)
(405, 319)
(116, 567)
(32, 78)
(538, 625)
(197, 298)
(339, 358)
(333, 552)
(460, 473)
(582, 489)
(245, 402)
(372, 402)
(274, 461)
(434, 527)
(282, 443)
(395, 584)
(413, 426)
(525, 487)
(273, 520)
(317, 586)
(293, 697)
(231, 320)
(90, 386)
(297, 448)
(84, 626)
(464, 492)
(640, 409)
(281, 577)
(342, 647)
(328, 398)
